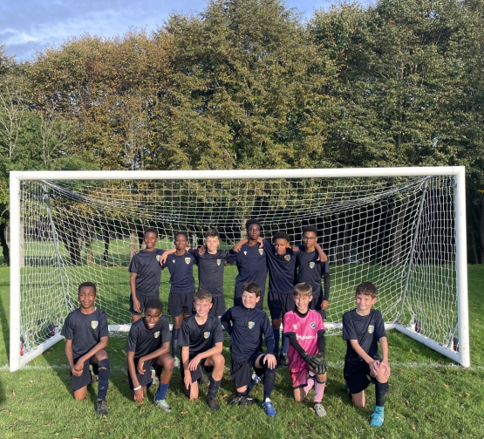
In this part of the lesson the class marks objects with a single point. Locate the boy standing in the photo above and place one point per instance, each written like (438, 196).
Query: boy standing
(363, 328)
(246, 324)
(201, 339)
(311, 269)
(86, 333)
(149, 346)
(145, 276)
(304, 328)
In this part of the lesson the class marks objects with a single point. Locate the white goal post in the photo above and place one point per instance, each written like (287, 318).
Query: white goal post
(402, 228)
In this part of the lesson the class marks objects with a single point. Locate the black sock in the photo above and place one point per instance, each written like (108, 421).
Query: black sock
(381, 392)
(102, 387)
(269, 381)
(174, 342)
(213, 388)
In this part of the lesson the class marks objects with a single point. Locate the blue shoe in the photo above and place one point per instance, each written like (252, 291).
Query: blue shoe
(269, 408)
(377, 417)
(256, 379)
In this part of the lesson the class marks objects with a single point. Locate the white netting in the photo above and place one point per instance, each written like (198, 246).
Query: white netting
(396, 232)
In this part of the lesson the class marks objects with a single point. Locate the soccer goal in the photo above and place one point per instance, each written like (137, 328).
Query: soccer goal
(402, 228)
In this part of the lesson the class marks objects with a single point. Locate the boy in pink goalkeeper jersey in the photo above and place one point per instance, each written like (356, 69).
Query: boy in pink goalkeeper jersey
(305, 330)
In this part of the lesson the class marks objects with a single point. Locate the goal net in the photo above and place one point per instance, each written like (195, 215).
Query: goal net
(398, 229)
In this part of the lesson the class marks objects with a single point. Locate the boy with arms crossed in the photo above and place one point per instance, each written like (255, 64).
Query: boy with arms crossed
(86, 333)
(149, 346)
(145, 276)
(246, 324)
(305, 330)
(363, 328)
(201, 339)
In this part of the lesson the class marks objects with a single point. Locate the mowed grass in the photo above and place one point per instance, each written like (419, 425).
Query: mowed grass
(430, 397)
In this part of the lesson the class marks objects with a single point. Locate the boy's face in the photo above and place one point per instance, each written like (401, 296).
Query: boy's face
(87, 296)
(202, 307)
(280, 245)
(212, 244)
(181, 242)
(249, 299)
(364, 303)
(253, 232)
(150, 240)
(309, 239)
(302, 302)
(152, 316)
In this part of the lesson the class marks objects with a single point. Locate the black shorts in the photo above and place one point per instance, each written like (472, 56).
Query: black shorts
(240, 371)
(280, 304)
(357, 376)
(86, 378)
(218, 306)
(197, 373)
(180, 303)
(316, 304)
(142, 299)
(146, 378)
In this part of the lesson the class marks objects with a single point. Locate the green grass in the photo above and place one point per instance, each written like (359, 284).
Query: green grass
(429, 396)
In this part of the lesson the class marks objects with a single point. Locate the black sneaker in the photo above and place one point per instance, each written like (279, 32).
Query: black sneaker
(242, 400)
(101, 407)
(283, 360)
(213, 404)
(237, 400)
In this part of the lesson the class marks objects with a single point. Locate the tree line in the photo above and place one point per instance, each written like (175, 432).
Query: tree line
(250, 84)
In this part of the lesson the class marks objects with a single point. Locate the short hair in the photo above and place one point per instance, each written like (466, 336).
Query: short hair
(251, 222)
(154, 304)
(281, 235)
(185, 234)
(211, 233)
(87, 284)
(152, 230)
(310, 229)
(253, 288)
(203, 295)
(303, 289)
(367, 289)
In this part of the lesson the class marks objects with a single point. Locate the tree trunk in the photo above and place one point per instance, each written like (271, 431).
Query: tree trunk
(4, 244)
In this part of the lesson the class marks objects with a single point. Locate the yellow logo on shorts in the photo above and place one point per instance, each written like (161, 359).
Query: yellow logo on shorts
(371, 328)
(94, 324)
(251, 325)
(158, 257)
(261, 251)
(219, 261)
(157, 334)
(287, 258)
(206, 335)
(187, 261)
(312, 264)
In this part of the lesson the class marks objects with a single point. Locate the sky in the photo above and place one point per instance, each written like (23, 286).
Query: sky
(28, 26)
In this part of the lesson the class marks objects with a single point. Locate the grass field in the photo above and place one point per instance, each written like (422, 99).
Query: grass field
(430, 397)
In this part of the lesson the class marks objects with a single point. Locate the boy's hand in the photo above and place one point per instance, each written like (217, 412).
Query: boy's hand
(78, 368)
(374, 368)
(322, 257)
(270, 360)
(201, 250)
(136, 305)
(141, 364)
(294, 248)
(194, 363)
(138, 395)
(324, 305)
(163, 258)
(260, 241)
(385, 367)
(188, 379)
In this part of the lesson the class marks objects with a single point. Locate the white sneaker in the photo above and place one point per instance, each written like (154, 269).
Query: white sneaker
(177, 362)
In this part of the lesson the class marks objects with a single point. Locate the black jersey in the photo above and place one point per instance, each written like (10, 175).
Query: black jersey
(252, 267)
(366, 329)
(200, 338)
(148, 269)
(85, 330)
(311, 271)
(143, 341)
(282, 269)
(211, 271)
(181, 273)
(246, 327)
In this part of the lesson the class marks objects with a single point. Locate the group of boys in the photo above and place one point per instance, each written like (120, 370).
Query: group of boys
(200, 335)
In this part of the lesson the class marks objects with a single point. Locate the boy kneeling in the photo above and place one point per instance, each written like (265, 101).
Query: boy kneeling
(201, 339)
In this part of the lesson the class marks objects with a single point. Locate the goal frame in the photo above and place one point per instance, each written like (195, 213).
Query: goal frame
(462, 357)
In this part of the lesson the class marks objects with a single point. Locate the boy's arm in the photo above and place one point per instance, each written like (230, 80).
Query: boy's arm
(132, 284)
(322, 255)
(270, 359)
(103, 343)
(384, 350)
(70, 358)
(164, 349)
(361, 352)
(239, 245)
(217, 349)
(138, 394)
(165, 254)
(326, 278)
(226, 321)
(185, 356)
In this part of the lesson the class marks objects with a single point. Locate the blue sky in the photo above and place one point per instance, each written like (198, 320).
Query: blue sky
(27, 26)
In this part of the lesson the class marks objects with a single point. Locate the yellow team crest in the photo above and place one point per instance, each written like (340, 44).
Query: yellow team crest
(187, 261)
(251, 325)
(287, 258)
(219, 261)
(206, 335)
(261, 251)
(158, 257)
(157, 334)
(312, 264)
(371, 328)
(94, 324)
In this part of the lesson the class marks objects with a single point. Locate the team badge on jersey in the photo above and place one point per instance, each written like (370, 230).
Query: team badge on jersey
(261, 251)
(219, 261)
(245, 252)
(287, 258)
(312, 264)
(251, 325)
(294, 327)
(158, 257)
(371, 328)
(187, 261)
(94, 324)
(157, 334)
(206, 335)
(313, 325)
